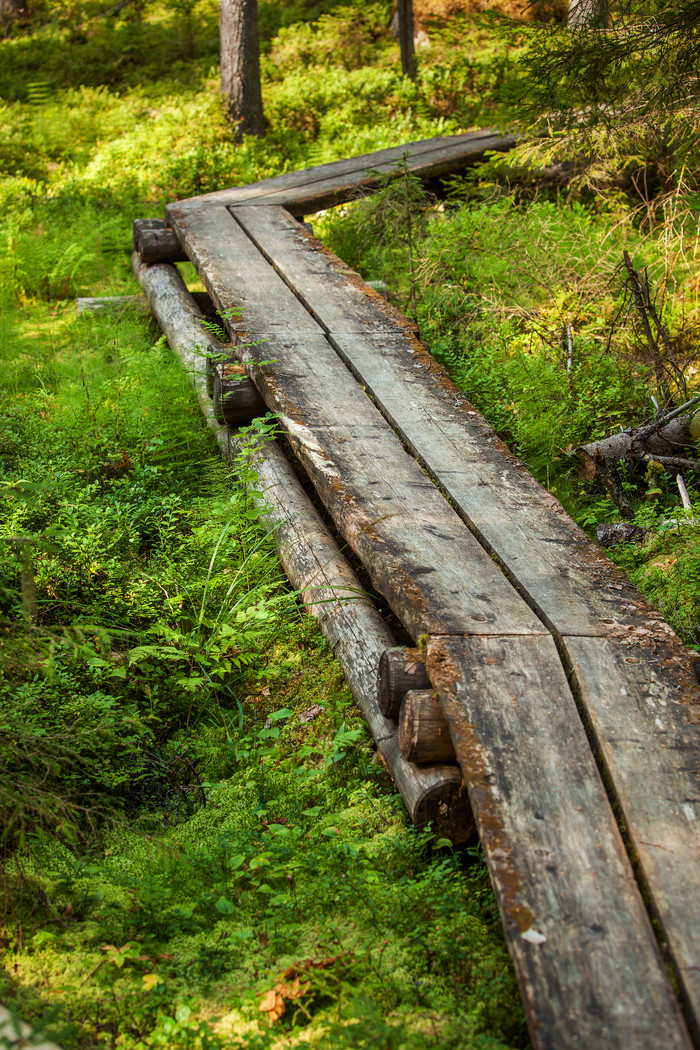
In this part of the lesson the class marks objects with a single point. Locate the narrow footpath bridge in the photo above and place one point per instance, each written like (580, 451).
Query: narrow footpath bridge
(569, 705)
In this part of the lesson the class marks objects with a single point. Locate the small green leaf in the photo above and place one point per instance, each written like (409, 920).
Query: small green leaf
(224, 906)
(284, 712)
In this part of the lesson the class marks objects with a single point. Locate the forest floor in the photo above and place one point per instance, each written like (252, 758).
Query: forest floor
(196, 823)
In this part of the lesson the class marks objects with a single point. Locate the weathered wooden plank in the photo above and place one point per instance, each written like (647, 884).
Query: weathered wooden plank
(316, 568)
(418, 553)
(334, 294)
(567, 578)
(590, 970)
(643, 703)
(312, 189)
(258, 304)
(420, 556)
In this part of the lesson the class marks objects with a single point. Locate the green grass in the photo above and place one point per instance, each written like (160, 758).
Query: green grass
(176, 839)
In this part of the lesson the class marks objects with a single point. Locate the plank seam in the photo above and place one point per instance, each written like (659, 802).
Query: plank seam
(557, 636)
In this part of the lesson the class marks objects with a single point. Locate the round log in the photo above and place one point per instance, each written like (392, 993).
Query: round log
(670, 440)
(423, 733)
(160, 246)
(400, 670)
(235, 396)
(353, 628)
(146, 224)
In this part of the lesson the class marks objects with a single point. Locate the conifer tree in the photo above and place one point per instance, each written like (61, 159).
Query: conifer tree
(240, 65)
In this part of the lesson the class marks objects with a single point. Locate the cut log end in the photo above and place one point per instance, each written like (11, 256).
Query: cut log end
(235, 397)
(445, 806)
(423, 733)
(146, 224)
(160, 246)
(400, 670)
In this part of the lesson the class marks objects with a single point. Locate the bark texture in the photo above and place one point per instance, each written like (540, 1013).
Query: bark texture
(240, 65)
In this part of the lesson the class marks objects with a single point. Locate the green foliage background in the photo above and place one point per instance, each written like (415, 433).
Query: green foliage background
(175, 838)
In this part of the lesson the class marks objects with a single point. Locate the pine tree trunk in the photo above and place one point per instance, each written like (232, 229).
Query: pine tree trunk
(240, 65)
(583, 13)
(406, 41)
(9, 11)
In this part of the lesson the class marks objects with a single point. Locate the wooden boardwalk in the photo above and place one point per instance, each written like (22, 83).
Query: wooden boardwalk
(571, 705)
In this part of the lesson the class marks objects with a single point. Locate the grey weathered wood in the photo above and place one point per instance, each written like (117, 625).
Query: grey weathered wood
(400, 670)
(328, 586)
(308, 191)
(109, 304)
(357, 635)
(181, 320)
(423, 733)
(420, 556)
(235, 397)
(145, 224)
(643, 703)
(567, 578)
(589, 967)
(334, 294)
(159, 246)
(564, 575)
(675, 439)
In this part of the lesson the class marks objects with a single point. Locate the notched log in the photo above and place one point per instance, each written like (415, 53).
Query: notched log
(235, 397)
(423, 733)
(399, 671)
(160, 246)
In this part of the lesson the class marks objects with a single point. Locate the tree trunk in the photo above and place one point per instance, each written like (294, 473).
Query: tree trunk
(240, 65)
(587, 13)
(406, 38)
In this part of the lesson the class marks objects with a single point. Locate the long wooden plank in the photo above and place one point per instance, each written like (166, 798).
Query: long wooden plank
(323, 185)
(575, 588)
(567, 577)
(590, 970)
(328, 586)
(643, 703)
(420, 556)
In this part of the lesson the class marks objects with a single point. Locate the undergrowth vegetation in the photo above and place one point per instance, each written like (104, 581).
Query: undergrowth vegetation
(196, 831)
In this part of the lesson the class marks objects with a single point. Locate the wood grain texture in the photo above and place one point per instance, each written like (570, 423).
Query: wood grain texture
(423, 733)
(235, 397)
(418, 553)
(356, 633)
(316, 568)
(574, 586)
(159, 246)
(331, 291)
(400, 670)
(308, 191)
(145, 224)
(180, 319)
(643, 703)
(590, 970)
